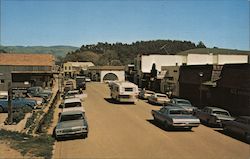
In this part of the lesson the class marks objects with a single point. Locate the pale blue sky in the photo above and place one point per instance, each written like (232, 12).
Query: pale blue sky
(221, 23)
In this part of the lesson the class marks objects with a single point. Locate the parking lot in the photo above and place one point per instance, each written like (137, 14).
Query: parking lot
(128, 131)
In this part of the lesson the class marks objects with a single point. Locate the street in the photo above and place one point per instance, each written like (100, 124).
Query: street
(127, 131)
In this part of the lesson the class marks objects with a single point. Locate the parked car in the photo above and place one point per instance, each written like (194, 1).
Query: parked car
(80, 82)
(72, 104)
(40, 92)
(175, 117)
(87, 79)
(213, 116)
(240, 126)
(68, 86)
(158, 98)
(74, 94)
(144, 94)
(16, 102)
(71, 123)
(185, 104)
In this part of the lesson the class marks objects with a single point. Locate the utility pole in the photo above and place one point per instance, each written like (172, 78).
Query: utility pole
(10, 117)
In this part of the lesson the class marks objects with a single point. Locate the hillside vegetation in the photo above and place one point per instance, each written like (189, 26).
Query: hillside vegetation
(59, 50)
(122, 54)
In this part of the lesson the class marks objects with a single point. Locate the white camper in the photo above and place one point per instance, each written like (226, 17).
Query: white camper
(124, 91)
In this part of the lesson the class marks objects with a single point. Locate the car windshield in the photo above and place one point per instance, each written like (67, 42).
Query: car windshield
(149, 92)
(72, 93)
(71, 117)
(221, 113)
(3, 96)
(74, 104)
(179, 112)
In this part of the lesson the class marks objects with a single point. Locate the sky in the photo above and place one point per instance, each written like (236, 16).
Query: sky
(220, 23)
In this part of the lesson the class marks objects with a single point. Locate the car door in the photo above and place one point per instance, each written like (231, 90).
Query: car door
(161, 114)
(239, 126)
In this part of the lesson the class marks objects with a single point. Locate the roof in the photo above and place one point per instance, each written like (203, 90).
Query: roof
(79, 64)
(125, 84)
(12, 59)
(214, 51)
(72, 100)
(122, 68)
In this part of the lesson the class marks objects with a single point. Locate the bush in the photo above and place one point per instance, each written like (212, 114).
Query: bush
(40, 146)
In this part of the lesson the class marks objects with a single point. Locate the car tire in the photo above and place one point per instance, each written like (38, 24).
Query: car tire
(168, 127)
(247, 137)
(1, 109)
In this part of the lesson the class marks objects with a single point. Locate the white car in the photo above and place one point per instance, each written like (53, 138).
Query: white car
(75, 94)
(144, 94)
(158, 98)
(72, 104)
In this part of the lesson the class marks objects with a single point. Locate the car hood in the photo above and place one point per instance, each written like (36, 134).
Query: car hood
(70, 124)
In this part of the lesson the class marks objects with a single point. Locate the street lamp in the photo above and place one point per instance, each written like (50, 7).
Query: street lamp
(201, 75)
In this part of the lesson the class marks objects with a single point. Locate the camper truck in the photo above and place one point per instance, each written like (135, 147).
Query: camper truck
(124, 91)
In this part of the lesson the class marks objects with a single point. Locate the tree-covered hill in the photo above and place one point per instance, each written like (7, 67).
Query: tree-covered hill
(121, 54)
(59, 50)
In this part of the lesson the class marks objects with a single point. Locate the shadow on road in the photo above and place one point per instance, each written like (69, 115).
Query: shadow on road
(232, 135)
(112, 101)
(159, 125)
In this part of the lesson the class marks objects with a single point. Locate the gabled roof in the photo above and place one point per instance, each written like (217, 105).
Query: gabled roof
(12, 59)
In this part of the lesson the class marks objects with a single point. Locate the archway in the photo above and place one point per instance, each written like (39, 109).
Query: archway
(110, 77)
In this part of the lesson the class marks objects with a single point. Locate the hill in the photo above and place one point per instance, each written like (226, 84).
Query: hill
(122, 53)
(59, 50)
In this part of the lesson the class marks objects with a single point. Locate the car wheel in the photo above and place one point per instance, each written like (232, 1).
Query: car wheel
(1, 109)
(166, 125)
(247, 137)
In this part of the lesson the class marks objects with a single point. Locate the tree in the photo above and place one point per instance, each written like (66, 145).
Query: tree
(201, 45)
(153, 72)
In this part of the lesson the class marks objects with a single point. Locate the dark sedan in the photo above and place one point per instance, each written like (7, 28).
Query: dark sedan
(240, 126)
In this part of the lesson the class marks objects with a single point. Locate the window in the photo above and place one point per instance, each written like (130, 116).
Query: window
(1, 81)
(128, 89)
(65, 67)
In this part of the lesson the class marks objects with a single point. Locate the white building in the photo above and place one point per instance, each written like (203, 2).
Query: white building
(72, 69)
(143, 63)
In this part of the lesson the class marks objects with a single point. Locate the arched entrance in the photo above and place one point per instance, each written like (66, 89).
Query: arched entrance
(110, 77)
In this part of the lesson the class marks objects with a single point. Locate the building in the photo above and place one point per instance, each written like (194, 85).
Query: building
(72, 69)
(107, 73)
(144, 63)
(34, 69)
(225, 86)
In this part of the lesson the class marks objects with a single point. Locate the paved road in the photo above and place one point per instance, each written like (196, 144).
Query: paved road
(126, 131)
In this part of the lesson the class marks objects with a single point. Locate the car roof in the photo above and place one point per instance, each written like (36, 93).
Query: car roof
(160, 94)
(148, 91)
(245, 117)
(180, 99)
(174, 108)
(71, 112)
(72, 100)
(216, 108)
(73, 91)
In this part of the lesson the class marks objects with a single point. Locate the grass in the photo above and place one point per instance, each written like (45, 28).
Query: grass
(40, 146)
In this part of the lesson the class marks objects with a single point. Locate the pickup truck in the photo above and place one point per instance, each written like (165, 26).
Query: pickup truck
(71, 123)
(16, 102)
(40, 92)
(175, 117)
